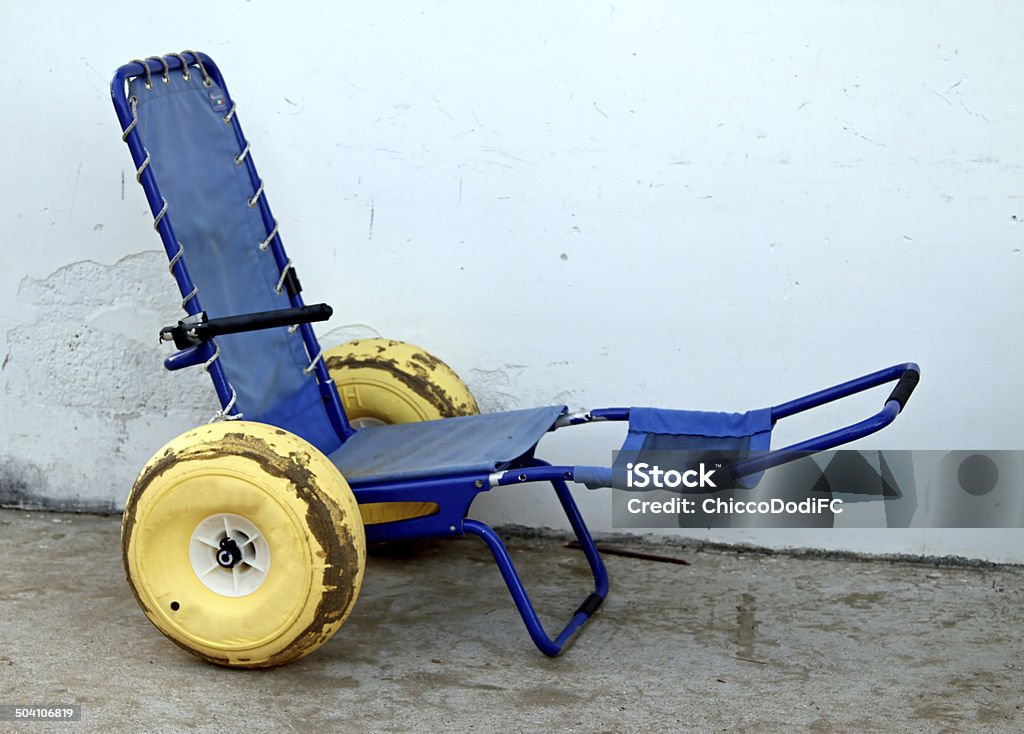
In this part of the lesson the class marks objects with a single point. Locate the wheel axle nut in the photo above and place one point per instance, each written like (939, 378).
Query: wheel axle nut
(229, 554)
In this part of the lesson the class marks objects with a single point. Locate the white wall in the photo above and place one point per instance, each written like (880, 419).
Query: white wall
(717, 206)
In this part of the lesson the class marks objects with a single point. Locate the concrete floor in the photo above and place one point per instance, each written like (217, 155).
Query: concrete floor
(732, 642)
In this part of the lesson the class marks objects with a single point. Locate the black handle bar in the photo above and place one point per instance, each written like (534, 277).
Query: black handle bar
(197, 329)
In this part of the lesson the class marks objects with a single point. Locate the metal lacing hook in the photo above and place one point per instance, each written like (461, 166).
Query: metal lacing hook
(160, 214)
(191, 294)
(133, 102)
(202, 68)
(177, 256)
(149, 73)
(284, 274)
(312, 365)
(266, 243)
(184, 65)
(256, 197)
(240, 158)
(144, 165)
(225, 413)
(166, 73)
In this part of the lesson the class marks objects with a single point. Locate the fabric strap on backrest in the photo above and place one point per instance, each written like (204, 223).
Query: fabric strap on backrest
(182, 126)
(683, 437)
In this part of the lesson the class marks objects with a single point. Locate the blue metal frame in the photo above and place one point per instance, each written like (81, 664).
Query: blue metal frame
(795, 451)
(545, 643)
(453, 495)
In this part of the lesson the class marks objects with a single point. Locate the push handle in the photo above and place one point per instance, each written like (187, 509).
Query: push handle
(905, 387)
(907, 376)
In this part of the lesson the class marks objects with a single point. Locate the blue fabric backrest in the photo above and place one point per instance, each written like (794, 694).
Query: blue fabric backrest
(182, 126)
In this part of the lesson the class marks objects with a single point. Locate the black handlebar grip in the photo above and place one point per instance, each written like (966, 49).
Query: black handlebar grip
(263, 320)
(901, 393)
(197, 329)
(318, 311)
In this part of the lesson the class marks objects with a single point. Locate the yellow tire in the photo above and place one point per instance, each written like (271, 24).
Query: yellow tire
(382, 382)
(243, 544)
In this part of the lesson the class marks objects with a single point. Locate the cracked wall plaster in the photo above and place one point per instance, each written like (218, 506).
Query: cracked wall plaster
(85, 388)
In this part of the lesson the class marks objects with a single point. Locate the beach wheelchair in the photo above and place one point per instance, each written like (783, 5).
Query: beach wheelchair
(244, 540)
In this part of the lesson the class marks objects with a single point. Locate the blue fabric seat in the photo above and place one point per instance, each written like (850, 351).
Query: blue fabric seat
(446, 447)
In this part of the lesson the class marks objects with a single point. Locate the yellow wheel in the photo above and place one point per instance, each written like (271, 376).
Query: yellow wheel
(383, 381)
(243, 544)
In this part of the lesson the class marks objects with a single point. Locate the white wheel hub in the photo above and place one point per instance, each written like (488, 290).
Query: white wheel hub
(229, 555)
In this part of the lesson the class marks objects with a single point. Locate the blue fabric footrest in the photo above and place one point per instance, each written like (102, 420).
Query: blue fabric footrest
(677, 439)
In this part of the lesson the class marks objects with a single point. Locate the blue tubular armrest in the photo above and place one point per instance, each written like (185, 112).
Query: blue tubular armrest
(551, 647)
